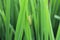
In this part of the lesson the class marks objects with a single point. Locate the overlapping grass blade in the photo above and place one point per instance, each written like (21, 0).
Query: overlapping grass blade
(45, 20)
(58, 33)
(19, 27)
(34, 16)
(1, 6)
(4, 19)
(7, 22)
(27, 25)
(54, 11)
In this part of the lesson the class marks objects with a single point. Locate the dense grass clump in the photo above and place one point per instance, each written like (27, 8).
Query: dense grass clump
(29, 19)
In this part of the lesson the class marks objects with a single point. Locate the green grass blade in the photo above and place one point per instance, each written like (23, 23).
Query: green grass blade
(4, 19)
(19, 27)
(33, 5)
(45, 19)
(27, 25)
(58, 33)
